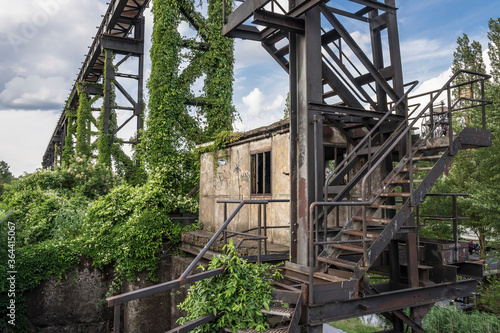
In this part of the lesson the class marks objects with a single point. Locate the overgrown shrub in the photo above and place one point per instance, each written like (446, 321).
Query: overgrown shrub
(489, 298)
(441, 319)
(238, 294)
(63, 215)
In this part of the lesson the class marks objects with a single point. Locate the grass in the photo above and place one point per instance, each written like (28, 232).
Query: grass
(354, 325)
(441, 319)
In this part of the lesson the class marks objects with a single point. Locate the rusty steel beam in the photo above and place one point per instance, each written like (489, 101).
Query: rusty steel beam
(278, 21)
(119, 20)
(241, 14)
(390, 301)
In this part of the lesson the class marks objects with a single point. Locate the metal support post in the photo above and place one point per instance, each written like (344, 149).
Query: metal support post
(308, 89)
(455, 225)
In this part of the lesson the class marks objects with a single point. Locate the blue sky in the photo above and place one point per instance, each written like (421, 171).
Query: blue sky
(43, 42)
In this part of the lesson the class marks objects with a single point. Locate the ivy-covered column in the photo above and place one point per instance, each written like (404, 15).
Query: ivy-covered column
(219, 67)
(83, 132)
(69, 145)
(107, 112)
(166, 102)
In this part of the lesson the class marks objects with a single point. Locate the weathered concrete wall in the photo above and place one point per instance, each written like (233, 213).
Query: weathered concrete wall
(75, 304)
(229, 177)
(149, 314)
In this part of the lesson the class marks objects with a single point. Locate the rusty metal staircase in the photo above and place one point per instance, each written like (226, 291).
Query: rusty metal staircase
(389, 204)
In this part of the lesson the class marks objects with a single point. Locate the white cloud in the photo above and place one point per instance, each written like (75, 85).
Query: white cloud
(424, 49)
(35, 92)
(254, 101)
(260, 111)
(362, 39)
(250, 53)
(25, 135)
(257, 103)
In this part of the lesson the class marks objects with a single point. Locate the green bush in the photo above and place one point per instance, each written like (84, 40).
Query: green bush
(238, 294)
(63, 215)
(489, 298)
(441, 319)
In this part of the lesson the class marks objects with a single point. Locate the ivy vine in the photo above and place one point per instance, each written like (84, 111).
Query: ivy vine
(173, 128)
(237, 295)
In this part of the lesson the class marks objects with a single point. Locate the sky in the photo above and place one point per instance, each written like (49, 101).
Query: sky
(43, 42)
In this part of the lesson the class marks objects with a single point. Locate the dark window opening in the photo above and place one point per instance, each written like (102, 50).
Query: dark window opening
(333, 157)
(260, 165)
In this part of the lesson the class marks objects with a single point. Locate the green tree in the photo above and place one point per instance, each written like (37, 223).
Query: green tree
(286, 110)
(494, 48)
(476, 171)
(5, 174)
(468, 56)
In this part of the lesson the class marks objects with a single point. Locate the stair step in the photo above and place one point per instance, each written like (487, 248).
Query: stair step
(340, 273)
(386, 206)
(283, 51)
(372, 219)
(364, 151)
(355, 125)
(329, 94)
(349, 247)
(395, 194)
(427, 158)
(271, 330)
(338, 262)
(335, 189)
(406, 181)
(328, 277)
(299, 276)
(359, 233)
(279, 311)
(417, 169)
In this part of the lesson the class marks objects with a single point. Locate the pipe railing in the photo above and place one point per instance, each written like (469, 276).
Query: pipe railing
(402, 132)
(405, 133)
(365, 143)
(262, 226)
(185, 278)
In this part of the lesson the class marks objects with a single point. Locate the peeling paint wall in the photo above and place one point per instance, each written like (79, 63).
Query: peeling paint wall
(227, 176)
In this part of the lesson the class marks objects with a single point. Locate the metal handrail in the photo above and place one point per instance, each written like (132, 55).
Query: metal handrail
(259, 223)
(399, 134)
(362, 144)
(116, 301)
(6, 216)
(403, 132)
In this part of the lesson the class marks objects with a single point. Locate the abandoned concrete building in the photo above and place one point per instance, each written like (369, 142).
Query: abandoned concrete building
(335, 190)
(257, 166)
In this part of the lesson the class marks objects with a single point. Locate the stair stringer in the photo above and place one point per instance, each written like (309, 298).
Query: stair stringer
(399, 220)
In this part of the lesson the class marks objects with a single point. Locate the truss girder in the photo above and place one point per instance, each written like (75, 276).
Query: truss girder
(120, 31)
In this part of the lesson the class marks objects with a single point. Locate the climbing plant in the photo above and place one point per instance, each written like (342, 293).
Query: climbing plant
(172, 129)
(83, 133)
(237, 295)
(84, 120)
(104, 141)
(219, 74)
(69, 144)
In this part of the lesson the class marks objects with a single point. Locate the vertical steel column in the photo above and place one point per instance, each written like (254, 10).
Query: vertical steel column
(64, 133)
(395, 54)
(378, 59)
(293, 145)
(308, 89)
(139, 107)
(455, 225)
(109, 74)
(412, 259)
